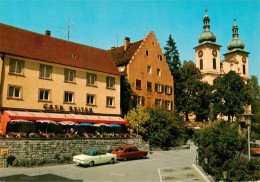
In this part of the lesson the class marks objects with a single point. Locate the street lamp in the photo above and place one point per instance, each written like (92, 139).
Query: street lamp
(247, 118)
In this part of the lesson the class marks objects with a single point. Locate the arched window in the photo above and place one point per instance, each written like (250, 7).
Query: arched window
(244, 69)
(214, 64)
(201, 64)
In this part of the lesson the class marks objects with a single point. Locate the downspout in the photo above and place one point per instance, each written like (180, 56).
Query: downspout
(2, 80)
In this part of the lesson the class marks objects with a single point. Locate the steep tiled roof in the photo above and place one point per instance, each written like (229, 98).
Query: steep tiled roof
(122, 57)
(28, 44)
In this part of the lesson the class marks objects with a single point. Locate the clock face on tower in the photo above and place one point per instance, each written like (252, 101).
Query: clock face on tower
(214, 53)
(200, 53)
(244, 59)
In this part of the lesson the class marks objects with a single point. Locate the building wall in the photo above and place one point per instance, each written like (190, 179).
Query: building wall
(208, 73)
(236, 59)
(31, 83)
(137, 69)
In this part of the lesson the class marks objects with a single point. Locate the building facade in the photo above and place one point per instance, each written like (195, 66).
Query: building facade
(40, 73)
(208, 55)
(146, 69)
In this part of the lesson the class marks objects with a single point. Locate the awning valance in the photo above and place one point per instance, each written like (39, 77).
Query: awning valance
(58, 117)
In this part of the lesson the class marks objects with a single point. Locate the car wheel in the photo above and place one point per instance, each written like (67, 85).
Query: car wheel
(91, 163)
(112, 160)
(124, 158)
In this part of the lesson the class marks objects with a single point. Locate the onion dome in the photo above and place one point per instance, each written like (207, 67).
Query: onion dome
(236, 43)
(207, 35)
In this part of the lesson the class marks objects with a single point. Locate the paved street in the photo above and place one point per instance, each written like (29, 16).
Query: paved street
(160, 166)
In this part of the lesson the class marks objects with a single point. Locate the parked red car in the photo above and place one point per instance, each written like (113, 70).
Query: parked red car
(126, 152)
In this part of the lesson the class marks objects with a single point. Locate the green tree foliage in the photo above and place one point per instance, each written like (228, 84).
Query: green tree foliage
(126, 95)
(140, 116)
(230, 95)
(222, 146)
(173, 60)
(164, 129)
(193, 95)
(172, 57)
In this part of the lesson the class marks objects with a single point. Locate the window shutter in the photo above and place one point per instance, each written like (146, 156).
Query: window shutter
(171, 105)
(171, 90)
(156, 87)
(142, 100)
(162, 88)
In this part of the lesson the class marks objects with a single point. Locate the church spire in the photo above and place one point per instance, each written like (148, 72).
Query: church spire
(235, 30)
(206, 21)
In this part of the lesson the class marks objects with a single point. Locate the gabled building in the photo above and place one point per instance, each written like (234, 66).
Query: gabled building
(146, 69)
(208, 54)
(43, 74)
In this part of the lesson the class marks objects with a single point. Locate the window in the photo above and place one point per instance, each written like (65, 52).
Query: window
(201, 64)
(70, 75)
(44, 95)
(168, 104)
(69, 97)
(146, 52)
(138, 100)
(14, 92)
(149, 86)
(91, 79)
(138, 84)
(214, 64)
(244, 69)
(110, 82)
(45, 71)
(159, 88)
(168, 90)
(221, 65)
(158, 102)
(110, 102)
(91, 99)
(158, 72)
(16, 66)
(149, 69)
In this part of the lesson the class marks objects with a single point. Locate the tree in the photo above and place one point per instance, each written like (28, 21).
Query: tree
(229, 96)
(164, 129)
(138, 117)
(186, 88)
(221, 146)
(173, 60)
(126, 94)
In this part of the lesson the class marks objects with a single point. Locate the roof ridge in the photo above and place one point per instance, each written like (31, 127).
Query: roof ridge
(50, 37)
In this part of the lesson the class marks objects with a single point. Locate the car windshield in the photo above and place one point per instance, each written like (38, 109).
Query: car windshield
(119, 149)
(88, 152)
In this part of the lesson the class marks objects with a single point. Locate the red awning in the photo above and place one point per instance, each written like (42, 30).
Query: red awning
(11, 115)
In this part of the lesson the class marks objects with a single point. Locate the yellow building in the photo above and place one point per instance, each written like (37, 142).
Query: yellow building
(208, 55)
(40, 73)
(147, 71)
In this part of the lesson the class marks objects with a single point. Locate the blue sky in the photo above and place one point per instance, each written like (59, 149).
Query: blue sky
(104, 24)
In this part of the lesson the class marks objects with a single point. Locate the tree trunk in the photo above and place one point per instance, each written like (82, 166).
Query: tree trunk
(187, 116)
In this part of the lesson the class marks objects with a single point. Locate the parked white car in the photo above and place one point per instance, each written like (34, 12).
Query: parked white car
(94, 156)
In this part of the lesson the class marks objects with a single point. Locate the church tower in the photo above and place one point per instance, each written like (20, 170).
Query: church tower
(236, 58)
(208, 53)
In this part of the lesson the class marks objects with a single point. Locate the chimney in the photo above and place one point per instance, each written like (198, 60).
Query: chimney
(48, 33)
(127, 42)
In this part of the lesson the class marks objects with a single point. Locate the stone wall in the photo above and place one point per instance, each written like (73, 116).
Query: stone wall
(47, 148)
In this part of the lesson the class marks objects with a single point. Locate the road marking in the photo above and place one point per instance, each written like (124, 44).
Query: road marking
(203, 175)
(160, 175)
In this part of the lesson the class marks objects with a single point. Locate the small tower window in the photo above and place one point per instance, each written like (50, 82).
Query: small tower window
(244, 69)
(201, 64)
(146, 52)
(214, 64)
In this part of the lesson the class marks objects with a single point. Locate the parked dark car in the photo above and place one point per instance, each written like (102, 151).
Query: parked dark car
(127, 152)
